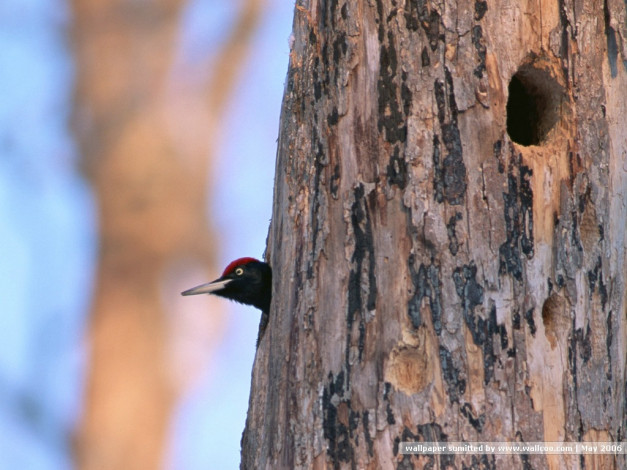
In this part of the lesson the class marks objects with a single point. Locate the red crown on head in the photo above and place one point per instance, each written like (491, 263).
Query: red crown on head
(238, 262)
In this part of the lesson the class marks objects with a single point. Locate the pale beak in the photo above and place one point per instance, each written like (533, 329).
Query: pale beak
(208, 288)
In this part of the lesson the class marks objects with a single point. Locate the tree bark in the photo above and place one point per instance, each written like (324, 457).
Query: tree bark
(448, 235)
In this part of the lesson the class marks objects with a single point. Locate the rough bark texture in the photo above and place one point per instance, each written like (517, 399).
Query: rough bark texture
(146, 135)
(436, 276)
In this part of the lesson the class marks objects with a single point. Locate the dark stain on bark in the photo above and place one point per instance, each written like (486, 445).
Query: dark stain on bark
(391, 122)
(565, 40)
(340, 47)
(481, 7)
(518, 214)
(440, 99)
(579, 346)
(425, 60)
(317, 83)
(365, 420)
(426, 282)
(453, 170)
(452, 103)
(438, 180)
(455, 385)
(477, 40)
(406, 94)
(526, 211)
(333, 47)
(530, 321)
(471, 294)
(344, 11)
(453, 242)
(595, 276)
(338, 420)
(320, 161)
(335, 178)
(364, 253)
(389, 414)
(497, 150)
(584, 343)
(574, 232)
(328, 9)
(475, 421)
(573, 369)
(333, 117)
(608, 344)
(394, 102)
(326, 65)
(560, 281)
(417, 14)
(379, 21)
(516, 320)
(397, 170)
(450, 173)
(482, 330)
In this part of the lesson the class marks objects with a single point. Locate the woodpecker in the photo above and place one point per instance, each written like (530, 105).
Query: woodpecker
(245, 280)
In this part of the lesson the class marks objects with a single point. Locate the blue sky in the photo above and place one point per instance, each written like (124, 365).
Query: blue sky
(46, 281)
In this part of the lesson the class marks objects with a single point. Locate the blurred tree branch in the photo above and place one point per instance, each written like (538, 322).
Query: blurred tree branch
(150, 179)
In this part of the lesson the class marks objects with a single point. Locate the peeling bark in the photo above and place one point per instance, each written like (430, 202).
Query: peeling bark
(448, 246)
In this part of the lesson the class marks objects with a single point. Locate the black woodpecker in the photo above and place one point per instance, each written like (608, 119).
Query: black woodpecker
(247, 281)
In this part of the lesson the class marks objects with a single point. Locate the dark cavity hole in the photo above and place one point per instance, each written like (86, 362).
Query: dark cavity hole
(534, 105)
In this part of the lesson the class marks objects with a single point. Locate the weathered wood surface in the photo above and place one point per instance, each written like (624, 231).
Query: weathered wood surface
(435, 280)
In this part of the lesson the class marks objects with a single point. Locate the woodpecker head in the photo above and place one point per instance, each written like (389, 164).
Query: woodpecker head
(245, 280)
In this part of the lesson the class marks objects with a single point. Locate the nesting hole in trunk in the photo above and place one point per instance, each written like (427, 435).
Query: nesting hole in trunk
(534, 105)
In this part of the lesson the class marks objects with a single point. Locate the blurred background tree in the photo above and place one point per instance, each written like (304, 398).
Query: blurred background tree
(172, 105)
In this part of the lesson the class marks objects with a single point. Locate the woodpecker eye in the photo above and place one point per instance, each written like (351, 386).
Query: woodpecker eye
(239, 271)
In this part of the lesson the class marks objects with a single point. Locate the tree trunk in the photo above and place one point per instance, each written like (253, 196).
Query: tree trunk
(448, 235)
